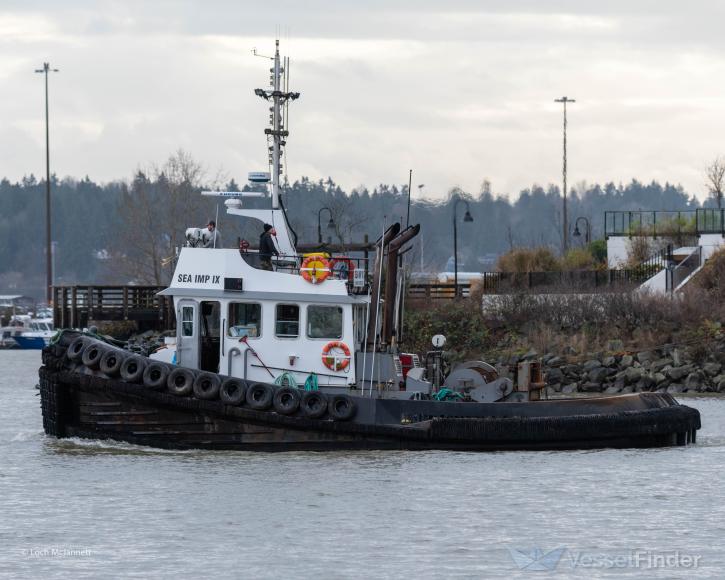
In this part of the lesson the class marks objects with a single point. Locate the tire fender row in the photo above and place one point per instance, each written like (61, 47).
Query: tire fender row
(117, 363)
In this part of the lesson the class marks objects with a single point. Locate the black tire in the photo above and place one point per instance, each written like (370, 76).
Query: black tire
(206, 386)
(155, 375)
(314, 404)
(286, 400)
(111, 362)
(233, 392)
(341, 408)
(92, 355)
(180, 382)
(259, 396)
(132, 369)
(76, 348)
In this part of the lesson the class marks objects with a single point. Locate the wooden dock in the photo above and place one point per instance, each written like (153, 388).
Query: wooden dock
(75, 306)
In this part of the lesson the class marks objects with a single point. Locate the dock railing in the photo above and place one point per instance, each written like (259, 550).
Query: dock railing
(75, 306)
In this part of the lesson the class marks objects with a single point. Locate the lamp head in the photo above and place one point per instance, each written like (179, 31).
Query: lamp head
(468, 217)
(331, 224)
(576, 233)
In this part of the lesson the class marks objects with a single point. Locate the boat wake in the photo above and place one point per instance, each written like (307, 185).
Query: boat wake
(78, 446)
(30, 435)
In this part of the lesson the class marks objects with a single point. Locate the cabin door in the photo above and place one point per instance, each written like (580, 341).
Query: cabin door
(187, 347)
(209, 330)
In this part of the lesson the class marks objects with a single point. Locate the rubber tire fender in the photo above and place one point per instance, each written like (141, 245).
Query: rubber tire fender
(341, 407)
(206, 386)
(76, 348)
(233, 391)
(132, 369)
(111, 362)
(314, 404)
(92, 355)
(155, 376)
(180, 381)
(286, 400)
(259, 396)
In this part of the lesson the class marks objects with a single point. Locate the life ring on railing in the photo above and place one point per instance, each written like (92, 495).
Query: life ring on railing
(315, 269)
(334, 362)
(343, 268)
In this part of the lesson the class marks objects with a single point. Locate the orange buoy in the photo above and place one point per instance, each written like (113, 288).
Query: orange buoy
(315, 269)
(334, 362)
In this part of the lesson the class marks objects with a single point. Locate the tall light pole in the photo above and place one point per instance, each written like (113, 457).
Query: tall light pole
(466, 218)
(48, 245)
(565, 225)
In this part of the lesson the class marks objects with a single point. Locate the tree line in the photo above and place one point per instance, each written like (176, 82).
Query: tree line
(127, 231)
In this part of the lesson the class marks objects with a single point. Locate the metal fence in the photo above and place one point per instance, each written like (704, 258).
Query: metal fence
(584, 281)
(650, 223)
(664, 223)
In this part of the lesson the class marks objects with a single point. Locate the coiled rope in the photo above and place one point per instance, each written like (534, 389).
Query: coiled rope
(285, 380)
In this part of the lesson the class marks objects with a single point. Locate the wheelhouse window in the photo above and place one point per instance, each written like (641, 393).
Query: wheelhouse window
(287, 321)
(187, 321)
(324, 322)
(245, 319)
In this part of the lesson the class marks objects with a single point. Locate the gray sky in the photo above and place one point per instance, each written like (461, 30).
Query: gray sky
(458, 91)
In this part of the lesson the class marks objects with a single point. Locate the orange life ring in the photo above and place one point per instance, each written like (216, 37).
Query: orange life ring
(335, 363)
(315, 269)
(347, 263)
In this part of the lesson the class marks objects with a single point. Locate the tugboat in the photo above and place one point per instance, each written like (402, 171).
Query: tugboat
(306, 357)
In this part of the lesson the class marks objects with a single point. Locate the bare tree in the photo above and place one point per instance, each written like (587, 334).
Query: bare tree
(715, 179)
(154, 211)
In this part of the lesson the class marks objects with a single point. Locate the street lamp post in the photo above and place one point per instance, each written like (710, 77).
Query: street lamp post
(466, 218)
(565, 225)
(330, 224)
(587, 231)
(48, 250)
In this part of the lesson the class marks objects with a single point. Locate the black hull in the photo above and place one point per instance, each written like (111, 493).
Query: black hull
(89, 405)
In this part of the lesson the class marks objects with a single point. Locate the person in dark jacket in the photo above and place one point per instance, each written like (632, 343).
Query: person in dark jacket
(267, 249)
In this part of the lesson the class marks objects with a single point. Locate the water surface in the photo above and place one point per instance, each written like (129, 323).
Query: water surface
(99, 509)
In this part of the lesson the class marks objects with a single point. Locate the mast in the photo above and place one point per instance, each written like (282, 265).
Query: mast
(279, 97)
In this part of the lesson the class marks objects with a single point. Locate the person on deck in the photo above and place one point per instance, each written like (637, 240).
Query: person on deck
(267, 249)
(214, 237)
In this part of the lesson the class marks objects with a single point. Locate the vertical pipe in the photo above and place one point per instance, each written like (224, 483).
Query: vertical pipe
(410, 181)
(455, 252)
(48, 250)
(565, 225)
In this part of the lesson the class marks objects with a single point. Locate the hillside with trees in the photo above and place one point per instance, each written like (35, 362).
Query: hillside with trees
(127, 230)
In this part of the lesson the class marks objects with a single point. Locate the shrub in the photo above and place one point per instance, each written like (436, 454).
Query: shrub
(528, 260)
(460, 321)
(598, 249)
(639, 249)
(712, 276)
(578, 259)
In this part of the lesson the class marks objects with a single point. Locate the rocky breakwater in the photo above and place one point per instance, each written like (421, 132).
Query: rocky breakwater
(667, 370)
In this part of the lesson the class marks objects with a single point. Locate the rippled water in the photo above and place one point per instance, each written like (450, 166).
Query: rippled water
(87, 509)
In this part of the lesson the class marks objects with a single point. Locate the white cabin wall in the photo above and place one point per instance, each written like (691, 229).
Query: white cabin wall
(275, 351)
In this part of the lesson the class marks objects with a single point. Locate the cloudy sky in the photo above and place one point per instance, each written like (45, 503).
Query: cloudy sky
(458, 91)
